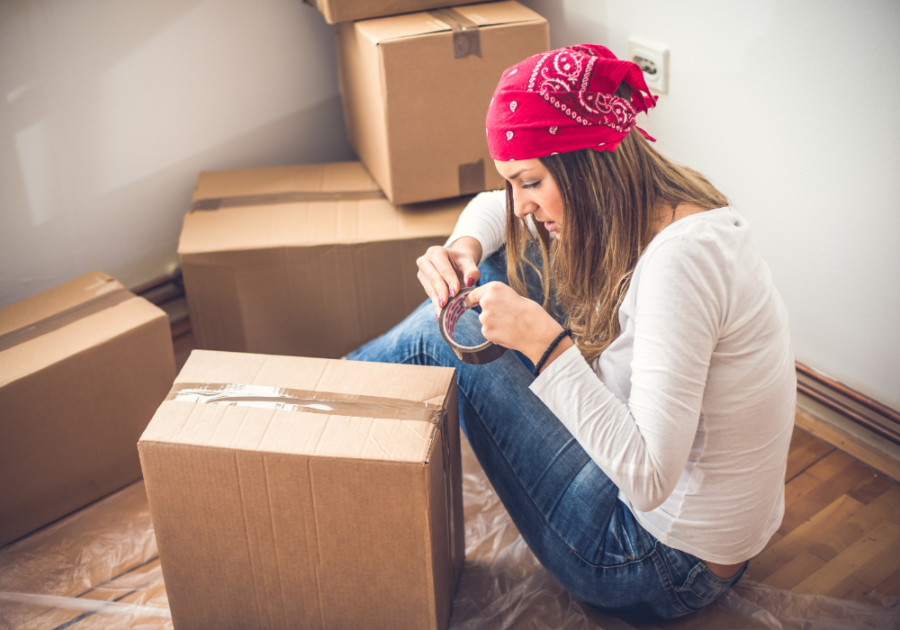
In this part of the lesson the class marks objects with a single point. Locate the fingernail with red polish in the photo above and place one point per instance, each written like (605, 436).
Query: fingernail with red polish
(441, 302)
(452, 292)
(470, 281)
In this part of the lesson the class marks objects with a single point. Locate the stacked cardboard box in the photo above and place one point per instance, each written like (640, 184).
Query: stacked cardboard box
(83, 367)
(416, 91)
(318, 493)
(285, 492)
(307, 260)
(336, 11)
(307, 493)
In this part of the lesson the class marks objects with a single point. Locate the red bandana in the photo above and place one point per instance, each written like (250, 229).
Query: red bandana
(564, 100)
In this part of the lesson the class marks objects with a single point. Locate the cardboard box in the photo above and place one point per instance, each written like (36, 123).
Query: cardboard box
(416, 89)
(348, 10)
(83, 367)
(307, 260)
(321, 494)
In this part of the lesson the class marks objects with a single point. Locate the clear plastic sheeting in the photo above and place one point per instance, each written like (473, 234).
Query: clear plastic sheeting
(99, 569)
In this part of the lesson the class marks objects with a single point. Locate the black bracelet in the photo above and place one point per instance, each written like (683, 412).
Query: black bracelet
(537, 368)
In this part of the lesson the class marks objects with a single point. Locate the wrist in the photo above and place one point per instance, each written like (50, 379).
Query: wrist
(541, 341)
(468, 245)
(560, 348)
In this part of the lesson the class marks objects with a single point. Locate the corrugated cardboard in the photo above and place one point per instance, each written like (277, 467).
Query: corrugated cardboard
(268, 518)
(415, 110)
(306, 260)
(348, 10)
(83, 367)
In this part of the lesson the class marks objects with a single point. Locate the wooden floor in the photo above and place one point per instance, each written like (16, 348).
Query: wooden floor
(841, 530)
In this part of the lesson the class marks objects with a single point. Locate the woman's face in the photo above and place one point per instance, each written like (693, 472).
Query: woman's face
(534, 192)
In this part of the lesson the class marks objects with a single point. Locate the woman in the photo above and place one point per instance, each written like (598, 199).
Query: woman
(643, 458)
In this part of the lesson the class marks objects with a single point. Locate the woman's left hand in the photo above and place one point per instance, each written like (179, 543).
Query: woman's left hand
(513, 321)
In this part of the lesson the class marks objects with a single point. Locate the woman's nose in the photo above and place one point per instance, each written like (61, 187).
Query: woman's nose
(523, 207)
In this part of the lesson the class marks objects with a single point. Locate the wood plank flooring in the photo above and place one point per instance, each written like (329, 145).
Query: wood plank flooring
(841, 530)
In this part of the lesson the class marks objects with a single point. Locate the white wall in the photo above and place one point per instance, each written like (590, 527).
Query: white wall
(110, 109)
(790, 107)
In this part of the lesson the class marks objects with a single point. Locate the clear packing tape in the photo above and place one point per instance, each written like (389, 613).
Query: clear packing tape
(283, 399)
(99, 569)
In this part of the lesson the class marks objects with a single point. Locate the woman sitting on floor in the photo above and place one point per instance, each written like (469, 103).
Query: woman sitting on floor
(643, 458)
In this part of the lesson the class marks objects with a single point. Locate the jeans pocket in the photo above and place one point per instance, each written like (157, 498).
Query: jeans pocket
(702, 587)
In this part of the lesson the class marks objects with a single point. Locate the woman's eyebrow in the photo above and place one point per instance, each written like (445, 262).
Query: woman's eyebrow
(524, 170)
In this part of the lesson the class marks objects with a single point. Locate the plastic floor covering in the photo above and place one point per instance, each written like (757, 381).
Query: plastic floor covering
(99, 569)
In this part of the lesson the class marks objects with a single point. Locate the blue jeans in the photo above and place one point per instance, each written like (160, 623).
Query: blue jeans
(565, 507)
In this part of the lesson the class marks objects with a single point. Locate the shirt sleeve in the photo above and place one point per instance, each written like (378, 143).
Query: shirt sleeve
(643, 446)
(484, 219)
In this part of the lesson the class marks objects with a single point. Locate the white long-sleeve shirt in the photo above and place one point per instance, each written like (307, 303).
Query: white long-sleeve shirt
(690, 410)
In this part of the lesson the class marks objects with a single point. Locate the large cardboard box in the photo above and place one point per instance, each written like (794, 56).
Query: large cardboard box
(306, 260)
(306, 493)
(348, 10)
(83, 367)
(416, 90)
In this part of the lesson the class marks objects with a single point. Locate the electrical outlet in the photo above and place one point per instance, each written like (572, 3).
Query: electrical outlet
(653, 60)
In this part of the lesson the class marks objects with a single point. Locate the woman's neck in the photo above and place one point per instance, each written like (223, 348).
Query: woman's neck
(666, 215)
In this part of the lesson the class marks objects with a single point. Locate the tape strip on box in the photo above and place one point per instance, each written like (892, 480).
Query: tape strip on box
(214, 203)
(471, 178)
(284, 399)
(64, 318)
(466, 38)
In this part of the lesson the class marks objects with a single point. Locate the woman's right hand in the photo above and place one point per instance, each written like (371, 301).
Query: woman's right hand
(444, 271)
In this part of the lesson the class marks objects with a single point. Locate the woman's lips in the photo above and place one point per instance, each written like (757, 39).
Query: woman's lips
(550, 226)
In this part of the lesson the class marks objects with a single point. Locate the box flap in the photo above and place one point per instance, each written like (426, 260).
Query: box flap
(413, 24)
(315, 223)
(92, 330)
(313, 178)
(56, 300)
(300, 432)
(336, 11)
(65, 320)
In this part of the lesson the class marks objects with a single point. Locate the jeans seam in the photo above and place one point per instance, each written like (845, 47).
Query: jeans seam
(672, 562)
(667, 582)
(534, 503)
(723, 585)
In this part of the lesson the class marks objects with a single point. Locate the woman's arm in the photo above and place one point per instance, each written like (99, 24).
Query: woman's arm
(479, 232)
(483, 219)
(644, 446)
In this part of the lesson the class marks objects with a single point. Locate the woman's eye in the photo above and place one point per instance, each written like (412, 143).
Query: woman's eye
(531, 184)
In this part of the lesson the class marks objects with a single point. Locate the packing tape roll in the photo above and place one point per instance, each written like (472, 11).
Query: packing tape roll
(450, 314)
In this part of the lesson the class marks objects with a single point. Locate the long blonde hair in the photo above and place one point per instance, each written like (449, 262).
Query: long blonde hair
(609, 199)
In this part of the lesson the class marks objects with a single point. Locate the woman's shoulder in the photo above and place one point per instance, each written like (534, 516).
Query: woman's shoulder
(720, 231)
(715, 246)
